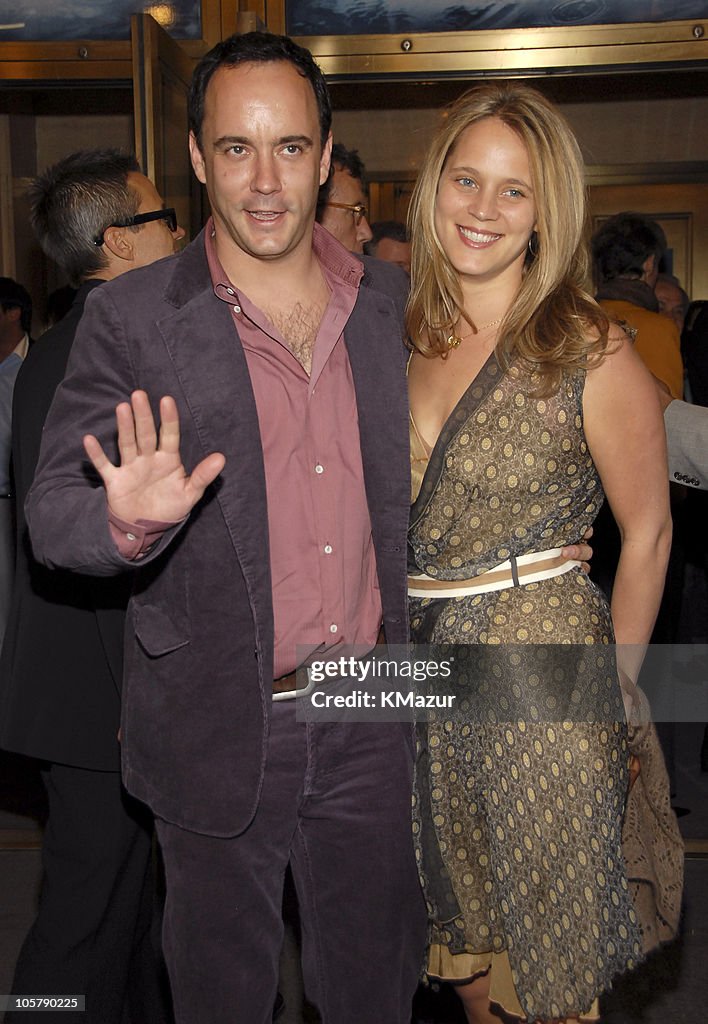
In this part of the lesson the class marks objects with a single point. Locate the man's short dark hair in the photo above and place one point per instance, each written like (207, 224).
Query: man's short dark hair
(622, 244)
(394, 229)
(75, 200)
(14, 296)
(348, 160)
(257, 48)
(343, 159)
(58, 304)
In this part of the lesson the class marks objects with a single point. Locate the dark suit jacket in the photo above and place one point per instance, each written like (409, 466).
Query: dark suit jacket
(61, 660)
(199, 636)
(687, 439)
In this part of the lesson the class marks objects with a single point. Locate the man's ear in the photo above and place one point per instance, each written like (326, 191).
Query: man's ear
(649, 267)
(13, 313)
(326, 159)
(119, 242)
(197, 159)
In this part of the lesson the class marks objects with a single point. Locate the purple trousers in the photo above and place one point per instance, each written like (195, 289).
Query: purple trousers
(335, 806)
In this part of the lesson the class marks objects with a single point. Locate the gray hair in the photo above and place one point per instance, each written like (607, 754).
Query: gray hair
(74, 201)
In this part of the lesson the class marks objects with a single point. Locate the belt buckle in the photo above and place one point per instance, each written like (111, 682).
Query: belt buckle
(303, 691)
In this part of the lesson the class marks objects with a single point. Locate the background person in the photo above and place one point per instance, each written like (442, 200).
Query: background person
(627, 249)
(61, 665)
(390, 242)
(341, 204)
(673, 300)
(58, 304)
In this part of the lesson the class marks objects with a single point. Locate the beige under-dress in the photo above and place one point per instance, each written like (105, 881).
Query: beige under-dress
(518, 806)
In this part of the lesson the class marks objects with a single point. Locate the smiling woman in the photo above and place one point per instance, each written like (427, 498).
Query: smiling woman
(485, 212)
(525, 406)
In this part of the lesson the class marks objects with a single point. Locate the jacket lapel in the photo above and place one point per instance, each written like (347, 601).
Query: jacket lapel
(210, 364)
(378, 363)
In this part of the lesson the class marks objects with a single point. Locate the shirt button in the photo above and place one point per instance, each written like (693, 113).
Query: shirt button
(319, 469)
(237, 309)
(328, 549)
(333, 628)
(131, 536)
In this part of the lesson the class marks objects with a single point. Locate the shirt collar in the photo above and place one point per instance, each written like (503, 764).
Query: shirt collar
(333, 257)
(22, 346)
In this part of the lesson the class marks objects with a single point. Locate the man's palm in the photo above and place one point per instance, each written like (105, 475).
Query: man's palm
(151, 481)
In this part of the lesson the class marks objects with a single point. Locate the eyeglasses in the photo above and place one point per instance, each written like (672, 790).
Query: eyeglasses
(358, 210)
(169, 215)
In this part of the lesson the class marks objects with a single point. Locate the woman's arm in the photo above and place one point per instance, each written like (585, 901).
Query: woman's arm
(625, 431)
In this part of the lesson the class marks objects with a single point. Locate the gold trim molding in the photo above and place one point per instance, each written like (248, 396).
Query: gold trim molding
(584, 49)
(523, 51)
(96, 60)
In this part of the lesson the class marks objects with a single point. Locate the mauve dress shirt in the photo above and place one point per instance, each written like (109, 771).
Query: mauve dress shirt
(323, 566)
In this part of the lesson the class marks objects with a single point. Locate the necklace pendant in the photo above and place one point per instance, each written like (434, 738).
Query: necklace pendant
(454, 341)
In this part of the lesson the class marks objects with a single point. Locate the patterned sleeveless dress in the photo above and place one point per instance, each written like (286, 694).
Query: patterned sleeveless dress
(519, 799)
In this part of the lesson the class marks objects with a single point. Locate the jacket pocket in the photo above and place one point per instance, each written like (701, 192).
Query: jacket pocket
(157, 633)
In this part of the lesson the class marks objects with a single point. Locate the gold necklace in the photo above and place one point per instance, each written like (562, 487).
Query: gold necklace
(454, 341)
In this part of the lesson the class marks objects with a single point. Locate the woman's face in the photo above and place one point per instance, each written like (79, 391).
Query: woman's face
(484, 209)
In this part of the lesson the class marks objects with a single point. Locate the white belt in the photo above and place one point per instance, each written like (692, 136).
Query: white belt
(515, 572)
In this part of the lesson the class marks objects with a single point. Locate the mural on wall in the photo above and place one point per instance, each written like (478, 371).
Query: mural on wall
(58, 20)
(363, 17)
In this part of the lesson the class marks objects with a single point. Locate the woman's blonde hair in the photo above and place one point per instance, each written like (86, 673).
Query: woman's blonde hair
(553, 324)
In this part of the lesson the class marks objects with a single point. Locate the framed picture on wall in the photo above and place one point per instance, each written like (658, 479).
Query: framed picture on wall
(373, 39)
(61, 40)
(354, 17)
(62, 20)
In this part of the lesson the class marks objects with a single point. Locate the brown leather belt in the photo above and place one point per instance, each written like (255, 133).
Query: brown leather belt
(288, 683)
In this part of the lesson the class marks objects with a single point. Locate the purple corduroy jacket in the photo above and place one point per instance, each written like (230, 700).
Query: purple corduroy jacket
(199, 633)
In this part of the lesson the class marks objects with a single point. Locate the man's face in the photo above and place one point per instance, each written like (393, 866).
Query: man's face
(670, 302)
(261, 161)
(11, 331)
(392, 251)
(154, 240)
(342, 223)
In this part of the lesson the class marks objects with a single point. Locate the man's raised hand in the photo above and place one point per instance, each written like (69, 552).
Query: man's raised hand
(151, 481)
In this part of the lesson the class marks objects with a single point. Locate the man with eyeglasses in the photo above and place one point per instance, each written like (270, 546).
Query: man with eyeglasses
(98, 217)
(341, 204)
(167, 214)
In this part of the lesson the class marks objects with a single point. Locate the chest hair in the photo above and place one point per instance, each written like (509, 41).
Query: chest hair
(299, 325)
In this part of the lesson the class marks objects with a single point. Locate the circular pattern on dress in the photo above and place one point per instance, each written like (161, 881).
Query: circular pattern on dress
(518, 835)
